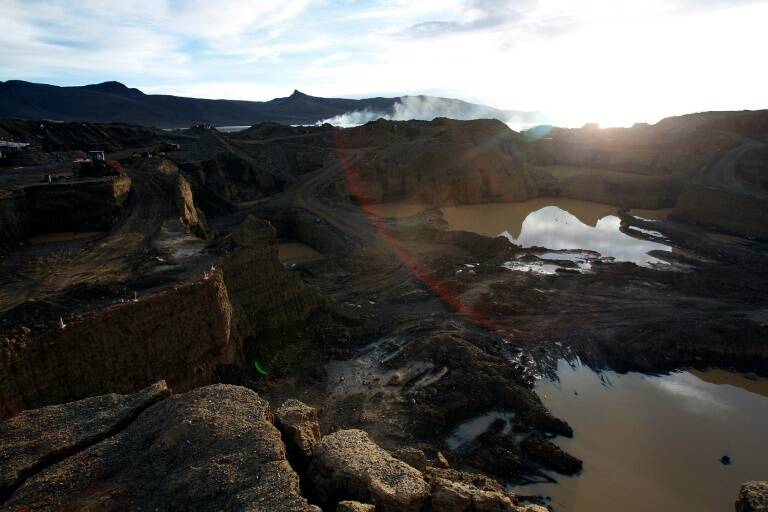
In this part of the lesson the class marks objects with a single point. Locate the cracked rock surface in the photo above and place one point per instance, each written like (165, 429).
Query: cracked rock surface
(213, 448)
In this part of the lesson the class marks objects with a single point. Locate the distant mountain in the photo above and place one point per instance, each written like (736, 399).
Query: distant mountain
(114, 102)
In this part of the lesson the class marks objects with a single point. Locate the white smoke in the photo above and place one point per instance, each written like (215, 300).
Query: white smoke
(427, 108)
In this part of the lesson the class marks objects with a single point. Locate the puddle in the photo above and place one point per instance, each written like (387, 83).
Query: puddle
(63, 236)
(556, 224)
(654, 443)
(470, 429)
(295, 252)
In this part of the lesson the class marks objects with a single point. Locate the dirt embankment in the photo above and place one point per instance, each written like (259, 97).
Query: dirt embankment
(440, 163)
(725, 210)
(91, 205)
(646, 166)
(180, 334)
(184, 333)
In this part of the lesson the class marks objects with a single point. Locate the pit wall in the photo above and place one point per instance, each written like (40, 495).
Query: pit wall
(179, 334)
(13, 219)
(75, 206)
(184, 333)
(725, 210)
(264, 295)
(651, 192)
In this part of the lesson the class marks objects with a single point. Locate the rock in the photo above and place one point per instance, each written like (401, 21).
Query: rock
(213, 448)
(38, 438)
(354, 506)
(458, 491)
(300, 428)
(412, 456)
(753, 497)
(349, 464)
(440, 461)
(394, 380)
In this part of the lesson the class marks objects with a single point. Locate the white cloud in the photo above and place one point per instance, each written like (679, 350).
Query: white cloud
(613, 61)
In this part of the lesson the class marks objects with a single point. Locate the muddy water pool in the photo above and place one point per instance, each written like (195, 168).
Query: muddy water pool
(655, 442)
(555, 223)
(296, 252)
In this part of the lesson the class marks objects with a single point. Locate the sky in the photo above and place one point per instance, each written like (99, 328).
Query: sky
(614, 62)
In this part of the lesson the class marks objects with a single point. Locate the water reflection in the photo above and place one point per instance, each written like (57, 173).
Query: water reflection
(555, 223)
(555, 228)
(654, 443)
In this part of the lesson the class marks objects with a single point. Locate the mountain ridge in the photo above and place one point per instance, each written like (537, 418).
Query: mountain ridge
(113, 101)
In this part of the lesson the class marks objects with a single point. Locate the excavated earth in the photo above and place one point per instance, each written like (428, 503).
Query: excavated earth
(397, 333)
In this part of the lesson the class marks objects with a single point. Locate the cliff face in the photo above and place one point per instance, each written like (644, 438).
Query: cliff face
(183, 333)
(179, 334)
(79, 206)
(265, 297)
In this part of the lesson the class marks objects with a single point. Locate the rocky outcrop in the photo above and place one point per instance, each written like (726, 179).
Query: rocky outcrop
(354, 506)
(213, 448)
(41, 437)
(301, 431)
(753, 497)
(180, 334)
(458, 491)
(349, 464)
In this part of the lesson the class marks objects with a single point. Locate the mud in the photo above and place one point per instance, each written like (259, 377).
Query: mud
(411, 326)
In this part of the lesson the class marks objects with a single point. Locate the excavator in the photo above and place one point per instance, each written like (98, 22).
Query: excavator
(96, 165)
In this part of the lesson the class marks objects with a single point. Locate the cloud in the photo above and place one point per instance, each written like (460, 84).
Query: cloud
(142, 38)
(613, 61)
(427, 108)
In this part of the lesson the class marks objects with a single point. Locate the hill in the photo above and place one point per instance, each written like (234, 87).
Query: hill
(111, 102)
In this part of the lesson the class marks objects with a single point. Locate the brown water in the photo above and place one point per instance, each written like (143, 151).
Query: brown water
(295, 252)
(555, 223)
(654, 443)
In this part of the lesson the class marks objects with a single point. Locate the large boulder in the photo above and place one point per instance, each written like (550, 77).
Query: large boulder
(301, 431)
(213, 448)
(753, 497)
(38, 438)
(458, 491)
(348, 464)
(354, 506)
(412, 456)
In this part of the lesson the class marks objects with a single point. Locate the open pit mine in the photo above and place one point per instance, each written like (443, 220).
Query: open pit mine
(418, 316)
